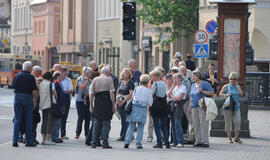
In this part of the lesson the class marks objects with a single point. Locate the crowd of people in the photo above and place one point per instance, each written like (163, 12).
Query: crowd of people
(169, 101)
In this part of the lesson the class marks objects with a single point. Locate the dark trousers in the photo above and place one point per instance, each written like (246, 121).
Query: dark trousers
(36, 120)
(23, 107)
(64, 119)
(90, 133)
(83, 115)
(105, 125)
(124, 123)
(160, 124)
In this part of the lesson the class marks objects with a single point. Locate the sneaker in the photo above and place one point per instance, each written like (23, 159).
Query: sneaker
(149, 139)
(238, 140)
(140, 147)
(157, 146)
(205, 145)
(197, 145)
(77, 137)
(168, 146)
(230, 141)
(64, 138)
(180, 146)
(126, 146)
(49, 143)
(30, 145)
(173, 145)
(15, 145)
(120, 139)
(57, 141)
(107, 147)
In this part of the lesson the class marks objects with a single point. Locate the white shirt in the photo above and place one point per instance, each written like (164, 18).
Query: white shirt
(44, 93)
(67, 84)
(143, 94)
(178, 90)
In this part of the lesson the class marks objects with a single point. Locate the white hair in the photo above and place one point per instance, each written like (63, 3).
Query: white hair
(26, 65)
(56, 65)
(37, 68)
(131, 61)
(105, 70)
(86, 70)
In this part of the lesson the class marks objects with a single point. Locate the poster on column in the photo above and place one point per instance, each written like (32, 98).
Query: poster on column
(231, 56)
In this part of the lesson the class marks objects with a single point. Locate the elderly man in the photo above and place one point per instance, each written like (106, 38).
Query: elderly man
(57, 67)
(93, 66)
(68, 90)
(36, 72)
(25, 90)
(188, 73)
(136, 73)
(102, 89)
(115, 79)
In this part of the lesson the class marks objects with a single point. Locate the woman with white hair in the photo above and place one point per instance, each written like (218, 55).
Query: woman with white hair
(82, 89)
(232, 114)
(142, 97)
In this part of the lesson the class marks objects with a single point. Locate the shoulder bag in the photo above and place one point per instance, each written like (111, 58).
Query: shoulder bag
(128, 108)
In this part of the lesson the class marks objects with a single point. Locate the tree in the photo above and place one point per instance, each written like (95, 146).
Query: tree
(181, 14)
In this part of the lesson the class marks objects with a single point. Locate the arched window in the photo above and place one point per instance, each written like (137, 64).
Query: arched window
(38, 53)
(42, 53)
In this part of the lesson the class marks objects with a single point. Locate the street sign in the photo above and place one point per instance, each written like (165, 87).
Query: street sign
(200, 36)
(210, 27)
(201, 51)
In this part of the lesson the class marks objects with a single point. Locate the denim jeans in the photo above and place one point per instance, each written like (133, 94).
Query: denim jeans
(105, 125)
(179, 136)
(174, 139)
(23, 107)
(55, 132)
(160, 124)
(124, 123)
(90, 132)
(64, 119)
(83, 115)
(130, 131)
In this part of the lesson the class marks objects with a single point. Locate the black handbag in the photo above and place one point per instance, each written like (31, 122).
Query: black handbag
(231, 106)
(56, 110)
(128, 108)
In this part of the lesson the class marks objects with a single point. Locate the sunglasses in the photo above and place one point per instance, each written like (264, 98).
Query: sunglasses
(233, 79)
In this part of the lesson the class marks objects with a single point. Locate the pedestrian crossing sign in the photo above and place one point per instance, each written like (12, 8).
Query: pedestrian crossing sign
(201, 50)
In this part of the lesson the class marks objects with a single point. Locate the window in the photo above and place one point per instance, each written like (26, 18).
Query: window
(35, 53)
(38, 53)
(39, 27)
(42, 53)
(70, 14)
(35, 28)
(109, 6)
(43, 27)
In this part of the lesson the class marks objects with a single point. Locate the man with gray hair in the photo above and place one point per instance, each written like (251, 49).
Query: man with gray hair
(135, 73)
(37, 71)
(25, 90)
(102, 89)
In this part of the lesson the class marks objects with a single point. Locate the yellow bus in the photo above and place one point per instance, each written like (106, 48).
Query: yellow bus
(74, 71)
(11, 64)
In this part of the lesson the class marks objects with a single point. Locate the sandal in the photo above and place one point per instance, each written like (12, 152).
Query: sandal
(230, 141)
(238, 140)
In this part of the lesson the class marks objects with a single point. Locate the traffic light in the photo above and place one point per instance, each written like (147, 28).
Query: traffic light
(213, 48)
(249, 54)
(129, 20)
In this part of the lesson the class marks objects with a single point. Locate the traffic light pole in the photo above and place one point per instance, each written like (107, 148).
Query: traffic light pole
(131, 49)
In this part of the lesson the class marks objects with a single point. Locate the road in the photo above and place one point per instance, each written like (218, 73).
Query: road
(253, 148)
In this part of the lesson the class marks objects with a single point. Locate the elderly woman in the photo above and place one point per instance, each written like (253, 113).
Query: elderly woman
(234, 90)
(159, 109)
(178, 94)
(124, 94)
(142, 98)
(82, 85)
(46, 93)
(198, 90)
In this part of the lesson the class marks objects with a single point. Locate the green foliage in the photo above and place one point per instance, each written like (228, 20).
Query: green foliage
(183, 14)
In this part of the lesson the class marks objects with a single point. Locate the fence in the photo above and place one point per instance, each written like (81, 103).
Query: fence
(258, 88)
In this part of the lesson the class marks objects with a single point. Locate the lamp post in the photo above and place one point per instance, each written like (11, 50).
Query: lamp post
(49, 46)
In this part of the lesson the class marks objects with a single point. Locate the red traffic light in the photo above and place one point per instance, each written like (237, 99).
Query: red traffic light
(129, 8)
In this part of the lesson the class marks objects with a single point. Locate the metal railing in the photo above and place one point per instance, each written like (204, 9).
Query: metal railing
(258, 88)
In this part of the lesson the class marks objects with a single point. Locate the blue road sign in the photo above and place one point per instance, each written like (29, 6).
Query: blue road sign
(201, 50)
(210, 27)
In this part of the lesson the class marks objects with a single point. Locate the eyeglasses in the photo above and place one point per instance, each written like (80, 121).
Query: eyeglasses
(233, 79)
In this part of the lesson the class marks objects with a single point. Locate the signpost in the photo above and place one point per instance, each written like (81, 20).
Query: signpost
(210, 27)
(200, 36)
(201, 51)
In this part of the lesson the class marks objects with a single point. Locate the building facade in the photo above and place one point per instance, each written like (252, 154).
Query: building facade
(21, 27)
(258, 28)
(77, 31)
(5, 32)
(46, 30)
(110, 46)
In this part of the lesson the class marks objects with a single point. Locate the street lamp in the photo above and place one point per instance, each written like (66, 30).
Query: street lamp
(49, 46)
(100, 45)
(166, 47)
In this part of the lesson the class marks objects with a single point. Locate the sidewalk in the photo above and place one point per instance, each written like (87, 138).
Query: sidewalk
(256, 148)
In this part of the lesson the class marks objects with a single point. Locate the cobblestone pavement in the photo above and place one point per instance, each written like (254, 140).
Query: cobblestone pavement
(256, 148)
